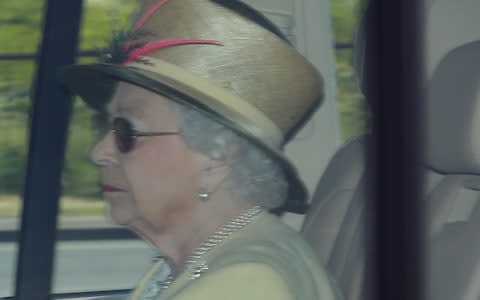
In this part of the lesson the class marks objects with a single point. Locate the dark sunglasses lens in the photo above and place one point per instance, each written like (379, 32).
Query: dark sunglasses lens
(123, 135)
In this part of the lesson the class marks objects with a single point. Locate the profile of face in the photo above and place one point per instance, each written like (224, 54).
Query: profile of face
(156, 182)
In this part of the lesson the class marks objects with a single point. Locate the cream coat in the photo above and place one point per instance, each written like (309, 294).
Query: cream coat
(264, 260)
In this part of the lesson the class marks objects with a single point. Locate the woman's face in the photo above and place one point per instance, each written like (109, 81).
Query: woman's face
(156, 183)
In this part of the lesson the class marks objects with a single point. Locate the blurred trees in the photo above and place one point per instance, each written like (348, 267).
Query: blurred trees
(20, 32)
(351, 103)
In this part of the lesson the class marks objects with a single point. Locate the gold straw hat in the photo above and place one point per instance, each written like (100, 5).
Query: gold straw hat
(215, 57)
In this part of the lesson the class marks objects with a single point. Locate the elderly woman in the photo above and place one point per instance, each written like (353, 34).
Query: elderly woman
(201, 96)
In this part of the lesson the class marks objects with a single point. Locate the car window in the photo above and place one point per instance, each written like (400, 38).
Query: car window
(91, 253)
(352, 107)
(20, 33)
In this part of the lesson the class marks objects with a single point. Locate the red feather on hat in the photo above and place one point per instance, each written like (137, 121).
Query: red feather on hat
(123, 49)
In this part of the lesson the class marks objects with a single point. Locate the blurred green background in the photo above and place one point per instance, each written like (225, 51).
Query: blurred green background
(20, 32)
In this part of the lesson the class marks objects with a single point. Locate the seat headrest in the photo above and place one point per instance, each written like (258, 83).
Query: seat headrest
(452, 113)
(449, 24)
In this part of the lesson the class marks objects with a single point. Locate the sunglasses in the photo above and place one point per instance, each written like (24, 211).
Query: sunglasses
(125, 134)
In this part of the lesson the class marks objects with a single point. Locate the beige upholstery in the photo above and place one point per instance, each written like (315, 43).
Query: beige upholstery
(454, 247)
(453, 113)
(335, 225)
(453, 148)
(449, 24)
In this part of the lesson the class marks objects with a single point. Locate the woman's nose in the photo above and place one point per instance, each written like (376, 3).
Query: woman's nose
(104, 152)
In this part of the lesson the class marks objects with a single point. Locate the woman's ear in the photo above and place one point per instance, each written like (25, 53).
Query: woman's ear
(227, 154)
(212, 164)
(207, 163)
(233, 150)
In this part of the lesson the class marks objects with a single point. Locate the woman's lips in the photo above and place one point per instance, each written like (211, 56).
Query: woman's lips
(110, 188)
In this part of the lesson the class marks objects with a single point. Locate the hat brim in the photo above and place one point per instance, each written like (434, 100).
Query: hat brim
(95, 84)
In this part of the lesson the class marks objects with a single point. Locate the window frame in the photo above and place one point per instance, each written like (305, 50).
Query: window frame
(50, 117)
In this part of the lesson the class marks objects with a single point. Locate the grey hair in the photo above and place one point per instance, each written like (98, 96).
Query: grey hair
(254, 175)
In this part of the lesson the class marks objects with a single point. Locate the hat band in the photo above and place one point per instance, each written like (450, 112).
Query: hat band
(245, 115)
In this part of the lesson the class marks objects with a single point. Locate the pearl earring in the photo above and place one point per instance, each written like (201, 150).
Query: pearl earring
(203, 196)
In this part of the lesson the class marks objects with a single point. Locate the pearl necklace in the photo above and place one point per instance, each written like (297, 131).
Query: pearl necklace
(196, 258)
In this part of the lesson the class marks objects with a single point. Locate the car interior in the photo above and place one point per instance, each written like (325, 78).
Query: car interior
(337, 224)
